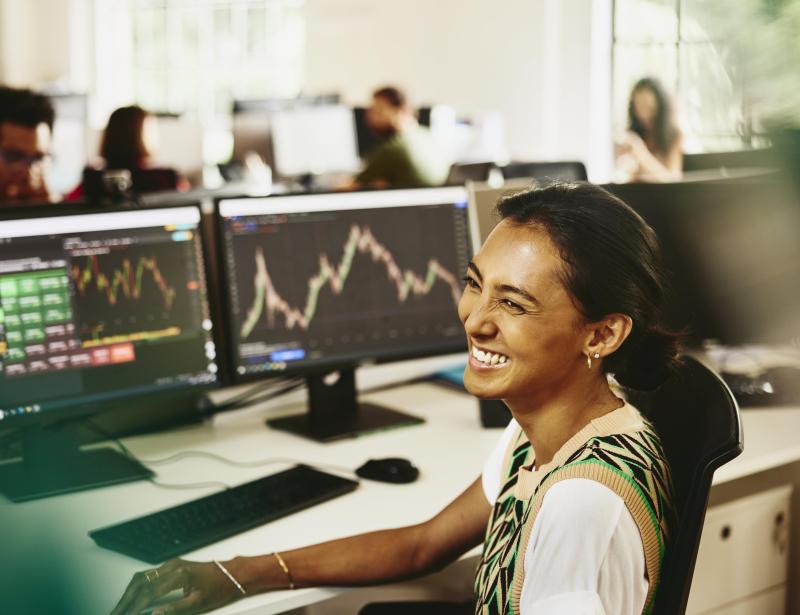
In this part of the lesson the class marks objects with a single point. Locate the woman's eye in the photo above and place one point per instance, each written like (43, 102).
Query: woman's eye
(511, 305)
(470, 282)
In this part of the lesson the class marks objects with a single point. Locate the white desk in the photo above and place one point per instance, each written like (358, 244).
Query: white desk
(449, 449)
(771, 439)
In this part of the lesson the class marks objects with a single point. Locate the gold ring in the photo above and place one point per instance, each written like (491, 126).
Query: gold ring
(151, 575)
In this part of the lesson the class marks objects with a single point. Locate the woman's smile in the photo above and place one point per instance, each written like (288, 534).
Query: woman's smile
(482, 359)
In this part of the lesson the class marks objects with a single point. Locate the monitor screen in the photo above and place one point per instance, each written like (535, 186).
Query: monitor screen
(483, 197)
(97, 307)
(328, 279)
(731, 250)
(314, 139)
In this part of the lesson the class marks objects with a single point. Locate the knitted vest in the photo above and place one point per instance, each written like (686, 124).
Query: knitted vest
(620, 450)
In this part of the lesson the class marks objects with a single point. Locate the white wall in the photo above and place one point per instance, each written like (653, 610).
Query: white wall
(544, 64)
(539, 62)
(34, 41)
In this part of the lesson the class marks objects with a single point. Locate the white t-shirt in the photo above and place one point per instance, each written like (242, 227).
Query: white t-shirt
(585, 554)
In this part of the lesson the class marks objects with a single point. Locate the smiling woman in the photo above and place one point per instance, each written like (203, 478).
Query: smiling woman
(573, 506)
(565, 290)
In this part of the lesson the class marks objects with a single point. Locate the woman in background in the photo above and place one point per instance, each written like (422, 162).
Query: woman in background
(652, 149)
(129, 142)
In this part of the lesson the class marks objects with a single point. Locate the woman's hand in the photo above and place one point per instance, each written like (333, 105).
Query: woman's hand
(204, 585)
(633, 145)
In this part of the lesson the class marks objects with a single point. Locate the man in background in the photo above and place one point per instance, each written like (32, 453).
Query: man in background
(26, 127)
(409, 157)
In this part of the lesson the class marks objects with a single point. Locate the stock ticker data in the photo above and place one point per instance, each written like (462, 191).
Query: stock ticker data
(99, 304)
(314, 286)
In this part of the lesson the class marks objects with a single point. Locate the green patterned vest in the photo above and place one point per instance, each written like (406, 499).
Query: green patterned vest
(620, 450)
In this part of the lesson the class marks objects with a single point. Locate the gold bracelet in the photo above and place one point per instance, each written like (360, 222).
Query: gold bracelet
(230, 576)
(285, 568)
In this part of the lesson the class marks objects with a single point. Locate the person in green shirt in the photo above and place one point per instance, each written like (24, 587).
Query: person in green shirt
(409, 157)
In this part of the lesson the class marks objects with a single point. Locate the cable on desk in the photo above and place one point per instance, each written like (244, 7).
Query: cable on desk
(183, 486)
(250, 397)
(243, 464)
(220, 458)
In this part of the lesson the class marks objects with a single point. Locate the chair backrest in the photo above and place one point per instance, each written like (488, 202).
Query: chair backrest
(698, 421)
(156, 179)
(751, 158)
(566, 170)
(461, 173)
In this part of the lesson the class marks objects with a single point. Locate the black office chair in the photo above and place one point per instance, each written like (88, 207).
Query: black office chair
(460, 173)
(698, 421)
(564, 171)
(749, 158)
(99, 183)
(418, 608)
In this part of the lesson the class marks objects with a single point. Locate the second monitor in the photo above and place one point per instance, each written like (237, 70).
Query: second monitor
(322, 283)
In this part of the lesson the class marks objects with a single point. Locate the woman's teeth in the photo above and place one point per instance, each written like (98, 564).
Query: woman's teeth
(488, 358)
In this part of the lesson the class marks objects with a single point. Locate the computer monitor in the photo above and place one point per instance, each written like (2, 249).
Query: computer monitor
(732, 250)
(322, 283)
(97, 309)
(70, 142)
(568, 171)
(314, 139)
(483, 199)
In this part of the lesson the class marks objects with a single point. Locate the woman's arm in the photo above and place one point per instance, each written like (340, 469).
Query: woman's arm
(650, 168)
(365, 559)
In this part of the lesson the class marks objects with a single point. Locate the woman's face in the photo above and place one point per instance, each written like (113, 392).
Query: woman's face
(525, 335)
(645, 107)
(150, 135)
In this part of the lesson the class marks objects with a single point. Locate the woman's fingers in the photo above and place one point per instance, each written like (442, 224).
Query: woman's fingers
(192, 603)
(148, 585)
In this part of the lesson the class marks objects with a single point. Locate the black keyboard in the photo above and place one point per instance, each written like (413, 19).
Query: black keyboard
(187, 527)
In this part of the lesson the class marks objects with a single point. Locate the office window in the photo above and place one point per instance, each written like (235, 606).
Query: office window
(675, 40)
(197, 56)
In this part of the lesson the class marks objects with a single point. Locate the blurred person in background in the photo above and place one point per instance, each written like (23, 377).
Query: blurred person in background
(26, 129)
(409, 157)
(652, 148)
(129, 143)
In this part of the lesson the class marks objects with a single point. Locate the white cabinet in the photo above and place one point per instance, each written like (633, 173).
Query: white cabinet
(744, 552)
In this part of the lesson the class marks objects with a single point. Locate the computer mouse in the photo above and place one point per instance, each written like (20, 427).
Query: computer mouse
(389, 470)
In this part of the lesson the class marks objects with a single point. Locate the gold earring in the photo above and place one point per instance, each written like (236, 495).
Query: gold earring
(589, 360)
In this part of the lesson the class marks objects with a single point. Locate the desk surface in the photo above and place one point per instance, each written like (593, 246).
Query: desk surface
(449, 449)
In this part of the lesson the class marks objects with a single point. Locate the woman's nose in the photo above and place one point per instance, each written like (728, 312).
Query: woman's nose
(480, 321)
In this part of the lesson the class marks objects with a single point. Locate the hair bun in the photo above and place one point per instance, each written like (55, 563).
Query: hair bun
(651, 360)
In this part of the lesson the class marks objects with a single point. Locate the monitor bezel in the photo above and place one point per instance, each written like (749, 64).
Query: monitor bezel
(327, 364)
(83, 409)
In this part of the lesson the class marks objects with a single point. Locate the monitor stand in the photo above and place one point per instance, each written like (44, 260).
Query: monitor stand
(52, 464)
(335, 413)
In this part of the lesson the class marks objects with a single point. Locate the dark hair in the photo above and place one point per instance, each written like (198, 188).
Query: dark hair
(393, 95)
(123, 144)
(25, 107)
(612, 265)
(665, 130)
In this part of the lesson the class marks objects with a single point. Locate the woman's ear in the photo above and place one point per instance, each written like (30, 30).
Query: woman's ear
(607, 335)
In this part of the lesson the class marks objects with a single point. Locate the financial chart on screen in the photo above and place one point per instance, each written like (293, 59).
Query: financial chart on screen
(95, 306)
(324, 278)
